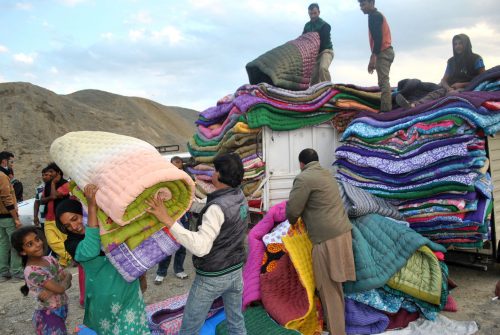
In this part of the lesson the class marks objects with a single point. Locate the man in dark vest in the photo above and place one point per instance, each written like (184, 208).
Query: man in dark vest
(325, 55)
(217, 247)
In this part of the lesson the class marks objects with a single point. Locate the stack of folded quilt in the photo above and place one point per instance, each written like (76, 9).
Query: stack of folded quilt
(235, 125)
(431, 162)
(127, 171)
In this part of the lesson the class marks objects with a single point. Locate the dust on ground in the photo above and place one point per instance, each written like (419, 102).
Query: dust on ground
(473, 296)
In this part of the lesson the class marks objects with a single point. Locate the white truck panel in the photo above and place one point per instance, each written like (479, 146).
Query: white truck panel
(281, 151)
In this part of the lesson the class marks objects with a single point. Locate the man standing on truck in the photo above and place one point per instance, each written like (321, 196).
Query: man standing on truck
(382, 52)
(315, 197)
(325, 55)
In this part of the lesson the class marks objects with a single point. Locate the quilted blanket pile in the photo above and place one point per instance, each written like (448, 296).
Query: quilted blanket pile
(429, 161)
(127, 171)
(235, 125)
(288, 66)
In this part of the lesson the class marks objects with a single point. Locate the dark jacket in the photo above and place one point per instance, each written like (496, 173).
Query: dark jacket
(228, 250)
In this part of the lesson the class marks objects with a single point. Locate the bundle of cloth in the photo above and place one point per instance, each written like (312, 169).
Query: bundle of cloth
(430, 161)
(289, 65)
(278, 273)
(235, 125)
(400, 274)
(127, 171)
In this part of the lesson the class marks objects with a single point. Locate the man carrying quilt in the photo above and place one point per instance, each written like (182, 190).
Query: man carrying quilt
(315, 197)
(325, 55)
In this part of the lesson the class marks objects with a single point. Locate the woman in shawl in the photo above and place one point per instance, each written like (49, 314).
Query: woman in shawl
(460, 70)
(112, 305)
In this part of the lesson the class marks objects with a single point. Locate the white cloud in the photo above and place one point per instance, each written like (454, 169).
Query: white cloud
(24, 6)
(71, 2)
(24, 58)
(169, 33)
(136, 34)
(3, 49)
(481, 30)
(54, 70)
(30, 76)
(142, 17)
(107, 36)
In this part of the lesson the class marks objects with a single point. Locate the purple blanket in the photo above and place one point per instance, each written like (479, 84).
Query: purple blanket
(131, 264)
(363, 319)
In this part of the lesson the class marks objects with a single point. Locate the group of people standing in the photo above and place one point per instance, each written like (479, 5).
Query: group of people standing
(460, 69)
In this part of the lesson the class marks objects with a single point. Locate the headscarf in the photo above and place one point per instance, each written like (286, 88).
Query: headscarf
(69, 206)
(462, 65)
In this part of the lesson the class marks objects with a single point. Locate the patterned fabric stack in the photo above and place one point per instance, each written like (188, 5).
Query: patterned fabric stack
(431, 162)
(235, 123)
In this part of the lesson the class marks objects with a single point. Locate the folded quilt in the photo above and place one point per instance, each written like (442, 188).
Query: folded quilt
(165, 317)
(132, 264)
(363, 319)
(256, 249)
(420, 277)
(289, 65)
(126, 170)
(360, 202)
(283, 296)
(381, 247)
(257, 321)
(299, 247)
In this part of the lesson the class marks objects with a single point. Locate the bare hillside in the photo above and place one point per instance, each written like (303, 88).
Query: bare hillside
(31, 117)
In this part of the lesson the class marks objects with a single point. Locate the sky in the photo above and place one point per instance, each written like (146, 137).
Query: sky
(190, 53)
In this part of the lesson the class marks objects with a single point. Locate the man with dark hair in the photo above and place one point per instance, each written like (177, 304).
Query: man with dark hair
(382, 52)
(315, 197)
(217, 247)
(10, 262)
(55, 191)
(325, 56)
(180, 254)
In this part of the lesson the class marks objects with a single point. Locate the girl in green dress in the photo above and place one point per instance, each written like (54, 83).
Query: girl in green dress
(112, 305)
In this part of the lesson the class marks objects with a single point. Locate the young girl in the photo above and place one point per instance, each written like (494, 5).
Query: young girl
(45, 279)
(112, 305)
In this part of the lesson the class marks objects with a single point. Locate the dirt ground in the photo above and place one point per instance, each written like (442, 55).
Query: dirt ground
(473, 295)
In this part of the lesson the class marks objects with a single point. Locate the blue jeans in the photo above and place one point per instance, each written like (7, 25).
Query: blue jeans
(202, 294)
(179, 257)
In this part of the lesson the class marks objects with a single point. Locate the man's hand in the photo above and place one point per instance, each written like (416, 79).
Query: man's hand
(372, 64)
(158, 209)
(36, 221)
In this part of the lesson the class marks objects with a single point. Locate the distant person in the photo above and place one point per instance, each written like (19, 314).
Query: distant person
(218, 247)
(45, 280)
(17, 185)
(382, 52)
(38, 207)
(10, 262)
(54, 193)
(460, 70)
(180, 254)
(315, 197)
(325, 56)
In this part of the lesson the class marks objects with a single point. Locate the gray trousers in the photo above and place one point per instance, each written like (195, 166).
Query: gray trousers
(321, 70)
(383, 67)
